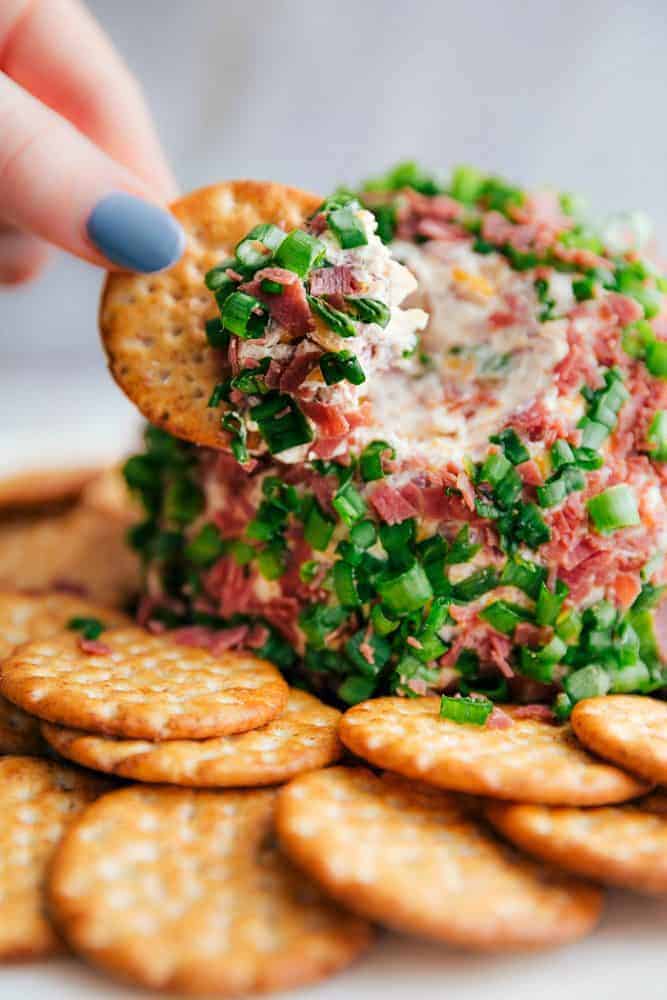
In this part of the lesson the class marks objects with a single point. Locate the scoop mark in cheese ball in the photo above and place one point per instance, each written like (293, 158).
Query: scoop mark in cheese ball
(447, 474)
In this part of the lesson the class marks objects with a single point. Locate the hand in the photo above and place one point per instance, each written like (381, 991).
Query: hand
(80, 162)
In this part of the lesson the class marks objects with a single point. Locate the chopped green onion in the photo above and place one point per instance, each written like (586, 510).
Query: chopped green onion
(385, 216)
(593, 434)
(656, 358)
(242, 553)
(281, 422)
(370, 460)
(338, 321)
(220, 393)
(369, 310)
(363, 534)
(613, 509)
(406, 591)
(549, 603)
(508, 490)
(251, 380)
(308, 570)
(381, 652)
(473, 586)
(587, 458)
(504, 616)
(584, 288)
(347, 227)
(530, 527)
(589, 682)
(349, 503)
(217, 278)
(523, 574)
(462, 550)
(356, 688)
(467, 184)
(345, 584)
(629, 678)
(494, 469)
(245, 316)
(183, 501)
(657, 436)
(90, 628)
(562, 706)
(465, 711)
(299, 252)
(382, 623)
(339, 366)
(266, 234)
(271, 561)
(512, 446)
(561, 454)
(318, 621)
(398, 539)
(271, 287)
(206, 547)
(566, 480)
(318, 528)
(216, 334)
(234, 423)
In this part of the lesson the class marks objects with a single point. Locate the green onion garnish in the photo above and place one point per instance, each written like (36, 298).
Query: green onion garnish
(382, 623)
(512, 446)
(657, 436)
(549, 603)
(245, 316)
(363, 534)
(465, 711)
(271, 561)
(251, 380)
(473, 586)
(349, 503)
(504, 616)
(370, 460)
(566, 480)
(341, 366)
(217, 278)
(272, 287)
(589, 682)
(233, 423)
(345, 584)
(206, 547)
(281, 423)
(613, 509)
(656, 358)
(347, 227)
(406, 591)
(318, 528)
(216, 334)
(299, 252)
(90, 628)
(583, 288)
(220, 394)
(184, 501)
(356, 688)
(369, 310)
(523, 574)
(338, 321)
(257, 248)
(530, 527)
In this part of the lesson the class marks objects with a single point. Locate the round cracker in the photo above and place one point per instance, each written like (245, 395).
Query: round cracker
(153, 326)
(24, 617)
(414, 859)
(144, 686)
(82, 549)
(38, 487)
(623, 846)
(628, 729)
(530, 761)
(303, 738)
(186, 891)
(38, 801)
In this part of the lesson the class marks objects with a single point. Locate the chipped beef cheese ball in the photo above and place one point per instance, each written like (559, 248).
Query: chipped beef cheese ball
(473, 503)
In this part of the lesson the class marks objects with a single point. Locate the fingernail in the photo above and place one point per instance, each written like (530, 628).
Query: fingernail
(135, 234)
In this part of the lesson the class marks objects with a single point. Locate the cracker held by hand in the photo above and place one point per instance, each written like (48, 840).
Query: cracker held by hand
(186, 891)
(413, 858)
(303, 738)
(142, 686)
(623, 845)
(153, 326)
(531, 760)
(629, 730)
(38, 801)
(24, 617)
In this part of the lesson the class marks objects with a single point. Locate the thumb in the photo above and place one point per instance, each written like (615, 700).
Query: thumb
(57, 185)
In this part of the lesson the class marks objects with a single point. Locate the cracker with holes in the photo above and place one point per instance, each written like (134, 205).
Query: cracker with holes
(24, 617)
(187, 891)
(303, 738)
(38, 801)
(621, 845)
(530, 760)
(81, 549)
(414, 859)
(143, 686)
(629, 730)
(153, 326)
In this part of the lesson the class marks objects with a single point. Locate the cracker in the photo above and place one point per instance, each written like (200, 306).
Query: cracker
(38, 487)
(38, 801)
(24, 617)
(82, 549)
(630, 730)
(153, 325)
(623, 846)
(531, 761)
(186, 891)
(146, 687)
(303, 738)
(414, 859)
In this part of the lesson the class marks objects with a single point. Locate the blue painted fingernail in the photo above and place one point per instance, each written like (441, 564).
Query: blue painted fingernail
(135, 234)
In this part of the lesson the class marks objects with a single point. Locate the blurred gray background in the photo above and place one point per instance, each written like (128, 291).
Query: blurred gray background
(321, 93)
